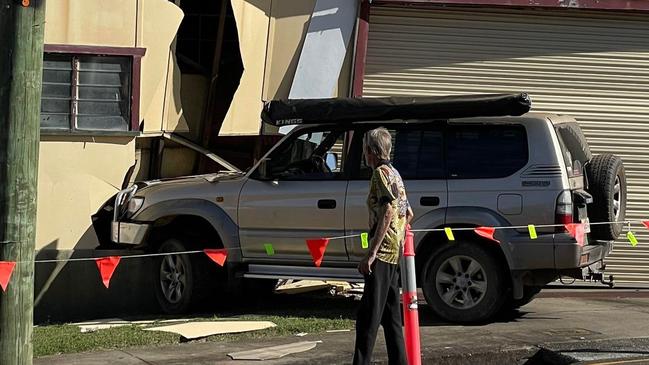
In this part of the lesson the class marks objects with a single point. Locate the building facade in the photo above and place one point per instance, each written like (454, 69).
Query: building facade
(118, 74)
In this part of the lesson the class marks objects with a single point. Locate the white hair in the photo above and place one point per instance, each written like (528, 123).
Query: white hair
(379, 142)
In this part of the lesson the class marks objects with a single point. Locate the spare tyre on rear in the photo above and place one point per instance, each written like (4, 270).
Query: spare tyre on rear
(607, 185)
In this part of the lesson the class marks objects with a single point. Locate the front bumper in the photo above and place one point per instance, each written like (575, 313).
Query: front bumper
(128, 233)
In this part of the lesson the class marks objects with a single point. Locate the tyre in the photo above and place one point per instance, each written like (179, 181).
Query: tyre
(464, 283)
(183, 281)
(607, 185)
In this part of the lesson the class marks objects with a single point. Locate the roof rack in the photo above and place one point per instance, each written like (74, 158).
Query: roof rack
(345, 110)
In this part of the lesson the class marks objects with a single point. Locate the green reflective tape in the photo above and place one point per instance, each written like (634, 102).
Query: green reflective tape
(532, 230)
(270, 251)
(631, 237)
(449, 234)
(364, 241)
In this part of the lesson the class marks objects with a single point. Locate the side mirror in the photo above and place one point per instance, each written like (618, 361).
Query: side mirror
(331, 159)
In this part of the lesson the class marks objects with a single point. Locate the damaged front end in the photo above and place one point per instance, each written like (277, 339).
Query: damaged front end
(110, 221)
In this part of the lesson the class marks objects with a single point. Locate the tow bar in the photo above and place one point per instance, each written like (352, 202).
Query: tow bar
(599, 276)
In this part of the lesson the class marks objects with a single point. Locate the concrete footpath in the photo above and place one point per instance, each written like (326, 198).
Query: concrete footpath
(585, 325)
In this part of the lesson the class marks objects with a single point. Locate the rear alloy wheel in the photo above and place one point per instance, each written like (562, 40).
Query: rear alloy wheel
(607, 185)
(461, 282)
(464, 283)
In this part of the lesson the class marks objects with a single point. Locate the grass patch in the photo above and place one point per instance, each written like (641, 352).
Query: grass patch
(290, 320)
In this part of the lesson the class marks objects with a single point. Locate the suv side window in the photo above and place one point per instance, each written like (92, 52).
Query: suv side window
(417, 153)
(309, 155)
(485, 151)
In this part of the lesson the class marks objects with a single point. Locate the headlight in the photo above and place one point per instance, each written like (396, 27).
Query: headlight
(134, 205)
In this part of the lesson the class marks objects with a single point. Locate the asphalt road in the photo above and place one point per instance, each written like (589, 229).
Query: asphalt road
(561, 327)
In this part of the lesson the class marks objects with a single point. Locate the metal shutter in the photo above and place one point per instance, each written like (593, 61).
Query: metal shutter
(592, 65)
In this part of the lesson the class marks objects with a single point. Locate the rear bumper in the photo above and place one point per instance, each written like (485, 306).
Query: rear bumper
(569, 255)
(554, 251)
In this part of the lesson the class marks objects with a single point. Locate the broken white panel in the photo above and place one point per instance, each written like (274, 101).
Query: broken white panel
(92, 326)
(323, 53)
(274, 352)
(194, 330)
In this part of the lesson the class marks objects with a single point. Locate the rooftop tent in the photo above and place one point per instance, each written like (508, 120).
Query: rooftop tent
(341, 110)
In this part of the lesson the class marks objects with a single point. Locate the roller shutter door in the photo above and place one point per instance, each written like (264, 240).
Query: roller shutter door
(592, 65)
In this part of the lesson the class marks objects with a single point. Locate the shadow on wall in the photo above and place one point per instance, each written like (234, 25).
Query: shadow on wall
(73, 291)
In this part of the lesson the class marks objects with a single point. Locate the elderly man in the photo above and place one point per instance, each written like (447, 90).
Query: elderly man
(390, 213)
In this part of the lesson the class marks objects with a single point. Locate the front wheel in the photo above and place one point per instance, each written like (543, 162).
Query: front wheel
(174, 284)
(464, 283)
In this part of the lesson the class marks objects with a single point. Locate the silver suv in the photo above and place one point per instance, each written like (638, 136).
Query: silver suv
(509, 169)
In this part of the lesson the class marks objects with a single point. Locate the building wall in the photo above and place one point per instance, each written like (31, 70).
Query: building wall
(77, 174)
(271, 35)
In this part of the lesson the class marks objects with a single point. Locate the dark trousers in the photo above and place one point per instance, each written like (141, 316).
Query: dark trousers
(380, 305)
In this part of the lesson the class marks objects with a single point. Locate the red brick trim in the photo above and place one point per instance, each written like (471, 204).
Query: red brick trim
(361, 48)
(95, 50)
(622, 5)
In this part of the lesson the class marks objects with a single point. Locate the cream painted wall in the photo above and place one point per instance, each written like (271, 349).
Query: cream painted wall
(288, 26)
(160, 105)
(270, 49)
(252, 26)
(91, 22)
(76, 176)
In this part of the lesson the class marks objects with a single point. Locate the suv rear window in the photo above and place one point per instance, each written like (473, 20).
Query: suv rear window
(573, 146)
(417, 153)
(485, 151)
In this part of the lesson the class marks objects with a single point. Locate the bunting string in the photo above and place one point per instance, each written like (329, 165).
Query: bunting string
(316, 246)
(328, 238)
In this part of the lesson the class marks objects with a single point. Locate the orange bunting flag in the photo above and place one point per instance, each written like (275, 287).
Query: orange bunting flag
(6, 268)
(107, 267)
(486, 232)
(217, 255)
(646, 223)
(576, 230)
(317, 249)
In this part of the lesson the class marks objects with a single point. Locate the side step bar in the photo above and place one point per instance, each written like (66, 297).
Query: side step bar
(303, 273)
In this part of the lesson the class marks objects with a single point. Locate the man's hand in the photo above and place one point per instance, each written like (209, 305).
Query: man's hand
(365, 266)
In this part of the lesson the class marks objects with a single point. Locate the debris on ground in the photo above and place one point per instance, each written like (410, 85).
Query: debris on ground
(194, 330)
(334, 288)
(100, 324)
(300, 286)
(274, 352)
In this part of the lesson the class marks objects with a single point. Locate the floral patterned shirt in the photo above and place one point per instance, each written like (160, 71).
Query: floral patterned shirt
(386, 188)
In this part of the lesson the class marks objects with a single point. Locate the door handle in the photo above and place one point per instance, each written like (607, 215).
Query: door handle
(326, 204)
(429, 201)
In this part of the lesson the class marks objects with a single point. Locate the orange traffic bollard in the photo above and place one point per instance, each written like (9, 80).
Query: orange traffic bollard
(409, 297)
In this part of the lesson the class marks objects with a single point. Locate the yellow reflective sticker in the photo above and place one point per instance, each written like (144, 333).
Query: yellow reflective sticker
(631, 237)
(364, 241)
(449, 234)
(532, 230)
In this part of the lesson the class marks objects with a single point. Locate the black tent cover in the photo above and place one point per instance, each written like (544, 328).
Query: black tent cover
(340, 110)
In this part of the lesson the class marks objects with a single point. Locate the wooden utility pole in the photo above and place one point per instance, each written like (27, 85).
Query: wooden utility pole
(21, 72)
